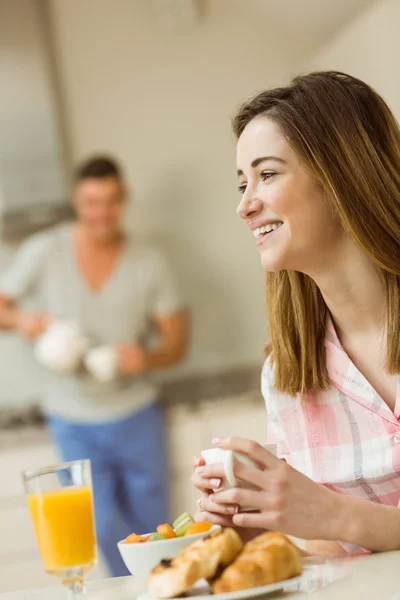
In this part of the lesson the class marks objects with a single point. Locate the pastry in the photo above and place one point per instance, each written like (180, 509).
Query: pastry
(269, 558)
(203, 558)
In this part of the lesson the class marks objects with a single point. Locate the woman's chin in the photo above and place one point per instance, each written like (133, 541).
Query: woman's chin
(272, 264)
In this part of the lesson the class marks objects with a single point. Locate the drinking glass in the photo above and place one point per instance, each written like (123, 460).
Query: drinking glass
(60, 499)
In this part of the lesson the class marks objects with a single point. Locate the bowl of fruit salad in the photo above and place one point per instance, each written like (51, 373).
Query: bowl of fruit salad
(141, 553)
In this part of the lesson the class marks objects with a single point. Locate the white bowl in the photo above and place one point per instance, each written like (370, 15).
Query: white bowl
(140, 559)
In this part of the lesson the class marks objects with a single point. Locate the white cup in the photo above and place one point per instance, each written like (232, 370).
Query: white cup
(61, 347)
(102, 363)
(228, 458)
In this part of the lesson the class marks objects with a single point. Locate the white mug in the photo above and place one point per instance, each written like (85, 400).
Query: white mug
(102, 363)
(228, 458)
(61, 347)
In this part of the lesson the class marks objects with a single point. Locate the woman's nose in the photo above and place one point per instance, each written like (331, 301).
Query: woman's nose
(249, 206)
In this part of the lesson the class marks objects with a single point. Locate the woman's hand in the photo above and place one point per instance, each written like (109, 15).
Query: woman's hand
(286, 499)
(207, 478)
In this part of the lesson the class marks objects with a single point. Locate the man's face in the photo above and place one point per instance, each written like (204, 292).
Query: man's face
(100, 204)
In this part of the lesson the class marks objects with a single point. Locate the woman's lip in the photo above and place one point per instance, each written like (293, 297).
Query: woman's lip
(262, 239)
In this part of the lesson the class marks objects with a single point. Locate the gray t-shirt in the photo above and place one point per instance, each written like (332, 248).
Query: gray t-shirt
(140, 288)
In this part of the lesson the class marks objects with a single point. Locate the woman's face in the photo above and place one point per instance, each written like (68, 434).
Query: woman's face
(283, 205)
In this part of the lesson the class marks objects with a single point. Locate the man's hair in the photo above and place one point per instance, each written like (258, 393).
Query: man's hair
(98, 167)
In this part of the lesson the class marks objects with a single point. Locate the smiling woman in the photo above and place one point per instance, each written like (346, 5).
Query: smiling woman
(319, 172)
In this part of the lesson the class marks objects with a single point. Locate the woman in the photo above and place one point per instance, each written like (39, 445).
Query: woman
(319, 173)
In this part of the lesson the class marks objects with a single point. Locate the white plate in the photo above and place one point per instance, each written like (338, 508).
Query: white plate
(201, 591)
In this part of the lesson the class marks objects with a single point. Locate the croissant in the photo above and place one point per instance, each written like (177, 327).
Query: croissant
(204, 558)
(269, 558)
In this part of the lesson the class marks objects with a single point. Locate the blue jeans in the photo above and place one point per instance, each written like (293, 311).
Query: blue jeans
(129, 471)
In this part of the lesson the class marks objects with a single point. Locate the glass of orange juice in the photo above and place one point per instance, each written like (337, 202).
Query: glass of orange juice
(60, 500)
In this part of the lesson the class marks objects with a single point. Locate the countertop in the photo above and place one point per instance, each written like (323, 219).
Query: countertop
(367, 577)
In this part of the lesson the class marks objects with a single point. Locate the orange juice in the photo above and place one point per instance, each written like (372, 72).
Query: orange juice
(64, 525)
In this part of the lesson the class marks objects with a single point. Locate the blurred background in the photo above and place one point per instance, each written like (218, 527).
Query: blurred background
(155, 83)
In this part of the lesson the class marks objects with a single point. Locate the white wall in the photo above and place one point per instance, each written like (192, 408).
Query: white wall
(368, 48)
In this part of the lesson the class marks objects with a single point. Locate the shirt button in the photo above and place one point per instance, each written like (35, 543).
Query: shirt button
(396, 438)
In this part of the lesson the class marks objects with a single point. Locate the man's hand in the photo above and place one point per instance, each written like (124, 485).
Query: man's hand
(131, 359)
(32, 325)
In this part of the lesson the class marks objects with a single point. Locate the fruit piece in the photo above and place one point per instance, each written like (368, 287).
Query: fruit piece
(200, 527)
(166, 531)
(155, 537)
(182, 524)
(133, 538)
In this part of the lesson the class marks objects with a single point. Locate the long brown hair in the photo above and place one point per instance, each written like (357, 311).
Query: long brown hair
(347, 137)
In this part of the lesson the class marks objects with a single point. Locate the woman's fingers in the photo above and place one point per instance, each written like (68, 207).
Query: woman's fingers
(249, 448)
(198, 461)
(213, 518)
(244, 498)
(208, 477)
(197, 481)
(205, 484)
(206, 504)
(265, 520)
(251, 475)
(201, 484)
(215, 470)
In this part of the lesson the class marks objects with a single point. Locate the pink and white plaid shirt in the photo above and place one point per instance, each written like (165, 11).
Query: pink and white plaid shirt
(346, 438)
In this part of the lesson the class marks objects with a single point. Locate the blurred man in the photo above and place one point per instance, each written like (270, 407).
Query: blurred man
(116, 290)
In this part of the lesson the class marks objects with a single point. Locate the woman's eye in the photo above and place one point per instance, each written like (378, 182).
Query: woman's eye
(267, 175)
(242, 188)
